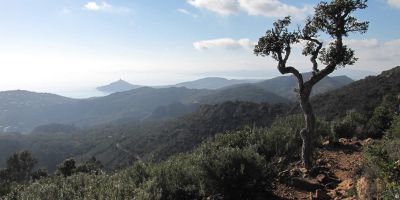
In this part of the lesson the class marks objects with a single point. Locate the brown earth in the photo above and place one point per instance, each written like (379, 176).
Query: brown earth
(336, 171)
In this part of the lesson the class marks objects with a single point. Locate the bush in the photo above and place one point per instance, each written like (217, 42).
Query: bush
(394, 130)
(352, 125)
(382, 117)
(235, 173)
(236, 165)
(383, 164)
(176, 178)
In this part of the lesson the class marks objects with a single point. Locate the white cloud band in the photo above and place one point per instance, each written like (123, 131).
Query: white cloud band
(267, 8)
(394, 3)
(105, 7)
(225, 43)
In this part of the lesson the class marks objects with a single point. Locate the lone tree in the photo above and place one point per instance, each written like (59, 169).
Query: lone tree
(330, 19)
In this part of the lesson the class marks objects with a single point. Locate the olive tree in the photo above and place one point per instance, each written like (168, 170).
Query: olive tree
(331, 19)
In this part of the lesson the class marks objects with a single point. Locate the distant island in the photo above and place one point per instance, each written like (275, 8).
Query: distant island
(118, 86)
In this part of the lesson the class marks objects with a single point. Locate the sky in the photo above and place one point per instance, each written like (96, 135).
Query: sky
(66, 45)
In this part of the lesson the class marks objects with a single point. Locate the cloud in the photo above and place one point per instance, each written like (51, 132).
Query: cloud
(225, 43)
(222, 7)
(366, 43)
(105, 7)
(375, 54)
(394, 3)
(274, 8)
(267, 8)
(186, 12)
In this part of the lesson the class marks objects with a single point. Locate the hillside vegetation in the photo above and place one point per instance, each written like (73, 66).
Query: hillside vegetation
(22, 111)
(121, 143)
(361, 96)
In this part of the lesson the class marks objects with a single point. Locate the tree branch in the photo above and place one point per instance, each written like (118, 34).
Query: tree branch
(314, 54)
(283, 69)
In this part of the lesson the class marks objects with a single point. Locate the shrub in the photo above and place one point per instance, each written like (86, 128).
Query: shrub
(177, 178)
(394, 130)
(236, 173)
(352, 125)
(66, 168)
(383, 164)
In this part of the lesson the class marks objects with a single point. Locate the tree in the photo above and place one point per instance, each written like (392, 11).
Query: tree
(20, 166)
(332, 19)
(66, 168)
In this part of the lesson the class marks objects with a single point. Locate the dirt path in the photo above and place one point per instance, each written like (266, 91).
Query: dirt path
(343, 161)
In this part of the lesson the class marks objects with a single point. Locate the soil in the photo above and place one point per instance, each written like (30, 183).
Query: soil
(343, 161)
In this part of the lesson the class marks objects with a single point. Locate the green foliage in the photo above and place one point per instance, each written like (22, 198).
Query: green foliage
(20, 166)
(236, 165)
(91, 166)
(236, 173)
(19, 170)
(383, 164)
(362, 96)
(176, 178)
(352, 125)
(69, 167)
(66, 168)
(394, 130)
(39, 174)
(382, 117)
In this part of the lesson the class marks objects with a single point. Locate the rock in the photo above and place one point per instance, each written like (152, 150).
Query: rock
(397, 164)
(331, 185)
(343, 141)
(318, 170)
(320, 162)
(346, 185)
(368, 141)
(321, 178)
(326, 143)
(303, 170)
(321, 195)
(306, 184)
(365, 188)
(295, 172)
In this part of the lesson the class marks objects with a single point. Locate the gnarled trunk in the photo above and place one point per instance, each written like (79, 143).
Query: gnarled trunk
(308, 132)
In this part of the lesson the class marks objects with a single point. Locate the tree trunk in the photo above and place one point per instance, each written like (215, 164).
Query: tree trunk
(307, 133)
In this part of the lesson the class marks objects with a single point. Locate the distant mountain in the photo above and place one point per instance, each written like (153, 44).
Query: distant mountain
(212, 83)
(285, 86)
(118, 86)
(22, 110)
(245, 92)
(354, 74)
(362, 96)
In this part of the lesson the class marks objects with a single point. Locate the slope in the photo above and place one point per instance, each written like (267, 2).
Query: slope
(285, 86)
(362, 96)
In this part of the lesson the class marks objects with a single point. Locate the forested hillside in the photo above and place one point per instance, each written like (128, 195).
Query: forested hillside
(121, 143)
(361, 96)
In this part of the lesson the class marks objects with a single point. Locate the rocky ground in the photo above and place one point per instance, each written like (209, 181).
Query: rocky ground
(335, 175)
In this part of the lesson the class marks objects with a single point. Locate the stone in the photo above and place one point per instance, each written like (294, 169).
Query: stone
(343, 140)
(368, 141)
(306, 184)
(365, 188)
(331, 185)
(321, 195)
(321, 178)
(303, 170)
(326, 143)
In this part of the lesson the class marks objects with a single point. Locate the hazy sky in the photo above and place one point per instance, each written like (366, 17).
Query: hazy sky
(49, 44)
